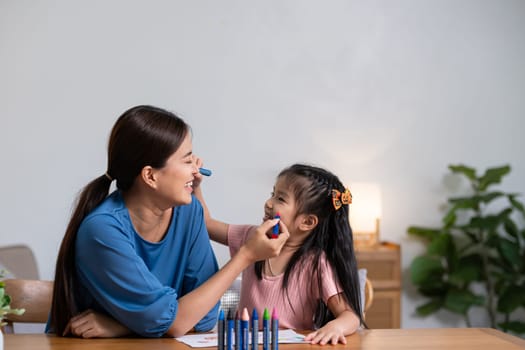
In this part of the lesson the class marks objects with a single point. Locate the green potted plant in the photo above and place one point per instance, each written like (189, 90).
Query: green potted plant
(476, 258)
(5, 308)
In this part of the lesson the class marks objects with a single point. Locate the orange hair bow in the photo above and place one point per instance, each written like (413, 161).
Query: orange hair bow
(338, 198)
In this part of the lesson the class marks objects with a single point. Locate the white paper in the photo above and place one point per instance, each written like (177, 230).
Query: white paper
(204, 340)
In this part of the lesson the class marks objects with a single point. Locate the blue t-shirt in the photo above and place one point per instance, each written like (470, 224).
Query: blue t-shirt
(138, 282)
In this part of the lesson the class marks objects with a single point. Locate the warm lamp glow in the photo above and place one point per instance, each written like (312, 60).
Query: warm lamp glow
(365, 212)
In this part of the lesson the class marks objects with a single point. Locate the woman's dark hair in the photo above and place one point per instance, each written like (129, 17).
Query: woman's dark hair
(332, 237)
(142, 136)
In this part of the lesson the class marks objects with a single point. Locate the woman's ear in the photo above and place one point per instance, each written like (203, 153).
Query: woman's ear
(309, 222)
(147, 174)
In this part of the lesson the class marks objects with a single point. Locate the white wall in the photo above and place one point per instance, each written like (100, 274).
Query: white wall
(384, 91)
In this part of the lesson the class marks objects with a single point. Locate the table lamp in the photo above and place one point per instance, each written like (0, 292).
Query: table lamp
(365, 213)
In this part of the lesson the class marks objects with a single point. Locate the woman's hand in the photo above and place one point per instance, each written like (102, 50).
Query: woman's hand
(260, 246)
(91, 324)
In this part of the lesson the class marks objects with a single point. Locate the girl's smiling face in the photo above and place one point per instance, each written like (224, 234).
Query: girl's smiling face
(282, 201)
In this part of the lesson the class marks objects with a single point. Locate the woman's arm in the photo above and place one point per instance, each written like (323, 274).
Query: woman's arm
(194, 305)
(91, 324)
(345, 323)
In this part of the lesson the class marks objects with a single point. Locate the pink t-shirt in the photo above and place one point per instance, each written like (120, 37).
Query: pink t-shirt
(295, 308)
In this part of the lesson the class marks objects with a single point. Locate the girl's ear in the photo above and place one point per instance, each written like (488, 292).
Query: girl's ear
(309, 222)
(147, 174)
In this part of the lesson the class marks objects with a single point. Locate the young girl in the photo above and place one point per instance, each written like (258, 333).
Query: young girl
(317, 261)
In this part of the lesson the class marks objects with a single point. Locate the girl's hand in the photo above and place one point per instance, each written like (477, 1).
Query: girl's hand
(329, 333)
(197, 179)
(260, 247)
(91, 324)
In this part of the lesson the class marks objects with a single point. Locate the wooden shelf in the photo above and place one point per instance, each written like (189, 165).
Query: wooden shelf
(383, 264)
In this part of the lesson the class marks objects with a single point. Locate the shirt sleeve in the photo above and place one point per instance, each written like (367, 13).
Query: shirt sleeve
(120, 281)
(330, 285)
(237, 235)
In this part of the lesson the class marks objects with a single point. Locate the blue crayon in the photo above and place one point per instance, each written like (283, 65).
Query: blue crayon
(229, 331)
(275, 231)
(266, 329)
(220, 331)
(275, 330)
(245, 329)
(205, 172)
(255, 329)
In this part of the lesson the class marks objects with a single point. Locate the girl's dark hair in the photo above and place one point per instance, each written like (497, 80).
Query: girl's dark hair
(312, 188)
(142, 136)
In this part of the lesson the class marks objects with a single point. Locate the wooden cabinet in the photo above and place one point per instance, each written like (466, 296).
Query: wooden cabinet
(383, 264)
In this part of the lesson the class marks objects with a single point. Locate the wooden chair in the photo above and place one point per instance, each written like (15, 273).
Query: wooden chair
(20, 261)
(32, 295)
(369, 294)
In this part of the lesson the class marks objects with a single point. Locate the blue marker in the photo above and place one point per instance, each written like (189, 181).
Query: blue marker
(220, 331)
(229, 331)
(205, 172)
(266, 329)
(275, 232)
(255, 329)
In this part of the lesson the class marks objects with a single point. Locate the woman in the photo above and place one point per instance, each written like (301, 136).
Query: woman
(139, 261)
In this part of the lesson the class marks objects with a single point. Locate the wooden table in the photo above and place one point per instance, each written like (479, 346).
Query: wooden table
(375, 339)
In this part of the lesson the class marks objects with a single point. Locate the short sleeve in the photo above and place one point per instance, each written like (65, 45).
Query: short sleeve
(237, 235)
(330, 285)
(124, 287)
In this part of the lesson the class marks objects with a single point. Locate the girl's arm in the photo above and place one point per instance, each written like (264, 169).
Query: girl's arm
(345, 323)
(217, 230)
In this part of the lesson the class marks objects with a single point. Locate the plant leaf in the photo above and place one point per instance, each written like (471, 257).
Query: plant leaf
(488, 223)
(470, 173)
(510, 227)
(424, 268)
(450, 218)
(459, 301)
(430, 307)
(511, 298)
(493, 176)
(509, 251)
(468, 270)
(440, 245)
(433, 288)
(489, 197)
(428, 233)
(516, 204)
(513, 326)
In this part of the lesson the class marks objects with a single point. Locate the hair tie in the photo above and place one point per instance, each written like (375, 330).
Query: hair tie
(338, 198)
(106, 174)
